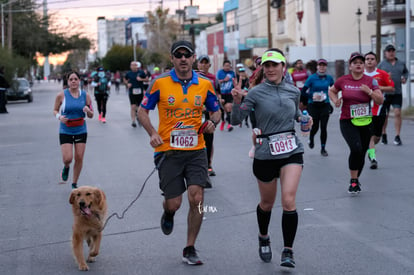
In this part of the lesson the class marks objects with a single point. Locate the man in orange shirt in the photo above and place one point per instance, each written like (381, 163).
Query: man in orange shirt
(180, 153)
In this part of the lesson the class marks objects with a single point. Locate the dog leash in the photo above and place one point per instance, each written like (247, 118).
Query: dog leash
(157, 166)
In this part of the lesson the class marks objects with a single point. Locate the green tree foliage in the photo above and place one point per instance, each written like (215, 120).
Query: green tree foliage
(14, 65)
(219, 17)
(32, 33)
(119, 57)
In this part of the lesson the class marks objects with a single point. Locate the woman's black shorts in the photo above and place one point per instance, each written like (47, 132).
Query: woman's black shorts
(269, 169)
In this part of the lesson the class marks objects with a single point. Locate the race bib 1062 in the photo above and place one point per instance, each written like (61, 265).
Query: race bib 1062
(183, 139)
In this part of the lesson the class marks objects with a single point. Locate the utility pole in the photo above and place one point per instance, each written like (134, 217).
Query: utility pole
(408, 47)
(192, 28)
(10, 28)
(269, 30)
(378, 36)
(46, 66)
(359, 13)
(318, 29)
(2, 25)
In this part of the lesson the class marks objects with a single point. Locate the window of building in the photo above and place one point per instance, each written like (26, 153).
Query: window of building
(324, 5)
(231, 21)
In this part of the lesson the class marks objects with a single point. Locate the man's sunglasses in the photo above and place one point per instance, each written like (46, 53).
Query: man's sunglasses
(180, 54)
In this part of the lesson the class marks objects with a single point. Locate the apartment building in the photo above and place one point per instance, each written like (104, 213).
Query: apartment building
(110, 33)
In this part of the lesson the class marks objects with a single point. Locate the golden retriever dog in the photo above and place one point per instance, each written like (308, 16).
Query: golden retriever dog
(89, 213)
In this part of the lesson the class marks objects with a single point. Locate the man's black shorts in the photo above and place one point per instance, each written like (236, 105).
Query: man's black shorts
(228, 98)
(377, 124)
(180, 169)
(135, 99)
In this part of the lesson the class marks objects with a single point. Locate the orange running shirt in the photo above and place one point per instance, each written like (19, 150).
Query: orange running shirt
(180, 109)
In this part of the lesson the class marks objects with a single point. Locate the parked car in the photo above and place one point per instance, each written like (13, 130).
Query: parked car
(20, 90)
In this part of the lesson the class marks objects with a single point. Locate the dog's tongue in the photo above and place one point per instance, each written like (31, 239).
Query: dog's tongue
(87, 211)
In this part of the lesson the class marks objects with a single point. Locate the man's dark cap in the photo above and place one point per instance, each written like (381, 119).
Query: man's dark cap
(389, 47)
(182, 44)
(204, 57)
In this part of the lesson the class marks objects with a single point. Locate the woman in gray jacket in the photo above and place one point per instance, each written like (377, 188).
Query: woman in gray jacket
(279, 152)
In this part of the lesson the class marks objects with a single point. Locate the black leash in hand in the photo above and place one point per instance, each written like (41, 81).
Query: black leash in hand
(139, 194)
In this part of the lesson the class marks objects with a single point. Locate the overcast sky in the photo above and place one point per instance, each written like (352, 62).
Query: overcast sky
(87, 11)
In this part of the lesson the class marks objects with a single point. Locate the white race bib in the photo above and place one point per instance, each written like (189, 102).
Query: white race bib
(300, 84)
(282, 143)
(359, 110)
(319, 97)
(136, 91)
(183, 138)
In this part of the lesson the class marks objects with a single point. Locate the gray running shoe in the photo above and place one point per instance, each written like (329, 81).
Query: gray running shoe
(190, 256)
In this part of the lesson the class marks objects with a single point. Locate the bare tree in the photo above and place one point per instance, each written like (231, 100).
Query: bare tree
(161, 31)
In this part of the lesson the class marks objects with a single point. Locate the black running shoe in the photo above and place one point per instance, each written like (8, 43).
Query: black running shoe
(287, 259)
(65, 174)
(354, 187)
(265, 251)
(374, 164)
(190, 256)
(324, 152)
(397, 140)
(384, 139)
(74, 185)
(311, 144)
(167, 225)
(211, 172)
(133, 124)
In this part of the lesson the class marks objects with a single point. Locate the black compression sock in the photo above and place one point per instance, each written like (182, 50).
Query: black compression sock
(289, 227)
(263, 220)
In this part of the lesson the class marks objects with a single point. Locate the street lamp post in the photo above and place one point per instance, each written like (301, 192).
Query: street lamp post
(359, 13)
(2, 20)
(2, 25)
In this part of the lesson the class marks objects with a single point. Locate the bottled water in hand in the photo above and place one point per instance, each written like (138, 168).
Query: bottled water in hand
(304, 119)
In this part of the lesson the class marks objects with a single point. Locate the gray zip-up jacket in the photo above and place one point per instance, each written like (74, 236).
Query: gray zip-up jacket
(276, 107)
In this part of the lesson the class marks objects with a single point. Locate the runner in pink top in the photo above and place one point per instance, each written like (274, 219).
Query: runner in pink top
(358, 90)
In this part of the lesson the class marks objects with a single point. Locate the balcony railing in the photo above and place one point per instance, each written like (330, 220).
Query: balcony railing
(390, 10)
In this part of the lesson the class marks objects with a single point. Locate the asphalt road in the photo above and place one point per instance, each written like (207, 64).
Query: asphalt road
(371, 233)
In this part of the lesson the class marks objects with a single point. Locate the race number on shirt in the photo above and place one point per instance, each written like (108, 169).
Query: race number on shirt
(359, 110)
(136, 91)
(282, 143)
(300, 84)
(183, 139)
(319, 97)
